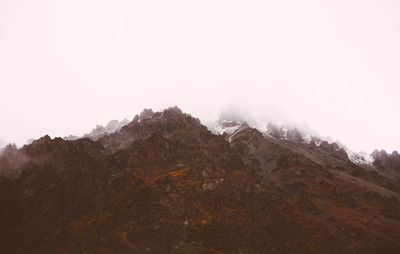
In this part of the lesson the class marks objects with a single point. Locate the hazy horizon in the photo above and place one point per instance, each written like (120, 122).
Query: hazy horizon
(334, 66)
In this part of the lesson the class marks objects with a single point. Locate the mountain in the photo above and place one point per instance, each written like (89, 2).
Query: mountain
(101, 131)
(164, 183)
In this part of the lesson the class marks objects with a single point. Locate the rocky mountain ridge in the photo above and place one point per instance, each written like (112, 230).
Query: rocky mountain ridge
(165, 184)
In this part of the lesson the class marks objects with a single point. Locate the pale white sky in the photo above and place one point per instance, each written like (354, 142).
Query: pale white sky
(66, 66)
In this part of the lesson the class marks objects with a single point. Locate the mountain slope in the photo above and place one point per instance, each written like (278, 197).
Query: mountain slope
(165, 184)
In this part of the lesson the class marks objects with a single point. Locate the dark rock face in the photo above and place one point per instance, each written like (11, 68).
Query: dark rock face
(11, 161)
(164, 123)
(385, 160)
(165, 184)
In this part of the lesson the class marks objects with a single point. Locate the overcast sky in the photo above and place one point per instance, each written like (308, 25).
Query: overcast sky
(66, 66)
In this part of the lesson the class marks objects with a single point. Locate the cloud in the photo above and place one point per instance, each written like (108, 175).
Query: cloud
(331, 64)
(2, 143)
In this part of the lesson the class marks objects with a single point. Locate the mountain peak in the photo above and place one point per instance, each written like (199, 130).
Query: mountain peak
(149, 122)
(149, 114)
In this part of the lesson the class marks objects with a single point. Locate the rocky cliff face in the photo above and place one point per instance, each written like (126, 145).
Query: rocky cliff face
(165, 184)
(386, 161)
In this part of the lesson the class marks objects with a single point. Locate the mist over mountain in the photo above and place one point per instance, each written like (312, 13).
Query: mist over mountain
(166, 183)
(229, 120)
(2, 143)
(233, 118)
(101, 131)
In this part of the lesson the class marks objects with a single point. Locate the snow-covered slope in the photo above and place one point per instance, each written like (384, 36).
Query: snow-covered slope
(227, 127)
(289, 132)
